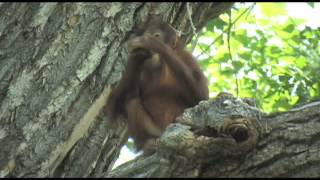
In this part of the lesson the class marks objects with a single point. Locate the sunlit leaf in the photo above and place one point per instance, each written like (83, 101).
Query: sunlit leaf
(301, 62)
(272, 9)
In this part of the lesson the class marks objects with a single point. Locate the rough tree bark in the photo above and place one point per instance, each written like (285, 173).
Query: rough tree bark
(55, 61)
(228, 137)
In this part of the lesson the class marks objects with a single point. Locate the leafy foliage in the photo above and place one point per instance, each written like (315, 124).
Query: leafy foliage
(273, 58)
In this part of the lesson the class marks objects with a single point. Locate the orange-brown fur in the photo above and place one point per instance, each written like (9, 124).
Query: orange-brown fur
(161, 80)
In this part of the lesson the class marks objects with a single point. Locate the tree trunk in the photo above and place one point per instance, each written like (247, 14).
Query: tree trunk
(55, 61)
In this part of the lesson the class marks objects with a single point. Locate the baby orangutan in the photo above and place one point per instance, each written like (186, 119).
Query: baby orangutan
(160, 81)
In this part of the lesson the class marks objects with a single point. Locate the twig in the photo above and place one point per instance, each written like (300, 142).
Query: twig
(230, 54)
(231, 25)
(190, 19)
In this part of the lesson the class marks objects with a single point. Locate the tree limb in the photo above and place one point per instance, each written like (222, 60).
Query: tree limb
(226, 137)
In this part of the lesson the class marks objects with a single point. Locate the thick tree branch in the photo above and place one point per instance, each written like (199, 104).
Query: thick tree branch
(226, 137)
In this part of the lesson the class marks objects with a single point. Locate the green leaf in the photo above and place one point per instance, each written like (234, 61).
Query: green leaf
(204, 63)
(275, 50)
(259, 32)
(203, 46)
(225, 57)
(228, 71)
(130, 145)
(210, 25)
(289, 28)
(237, 65)
(301, 62)
(243, 37)
(311, 4)
(282, 104)
(284, 78)
(216, 23)
(219, 23)
(245, 55)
